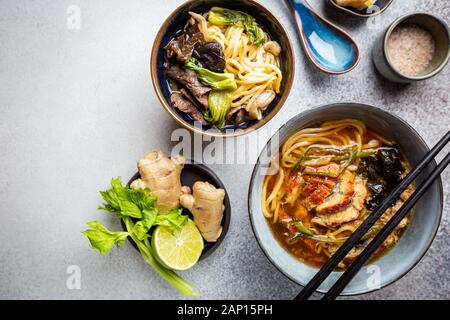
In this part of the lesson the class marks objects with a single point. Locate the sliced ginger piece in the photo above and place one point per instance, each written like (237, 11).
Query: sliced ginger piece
(206, 205)
(161, 175)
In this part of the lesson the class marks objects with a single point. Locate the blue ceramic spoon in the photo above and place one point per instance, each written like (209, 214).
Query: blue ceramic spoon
(329, 48)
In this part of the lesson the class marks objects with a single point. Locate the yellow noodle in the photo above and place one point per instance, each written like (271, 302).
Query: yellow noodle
(380, 138)
(255, 69)
(340, 133)
(371, 145)
(329, 133)
(275, 215)
(266, 212)
(277, 187)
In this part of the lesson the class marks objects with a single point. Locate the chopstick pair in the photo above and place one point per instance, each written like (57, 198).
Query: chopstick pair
(340, 254)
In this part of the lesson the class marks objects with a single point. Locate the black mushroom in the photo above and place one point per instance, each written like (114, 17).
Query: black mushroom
(210, 56)
(181, 47)
(390, 161)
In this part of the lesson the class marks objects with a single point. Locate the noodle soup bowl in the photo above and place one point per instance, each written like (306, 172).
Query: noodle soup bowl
(416, 238)
(178, 19)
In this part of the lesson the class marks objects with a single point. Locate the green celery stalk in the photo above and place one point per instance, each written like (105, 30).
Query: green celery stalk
(171, 277)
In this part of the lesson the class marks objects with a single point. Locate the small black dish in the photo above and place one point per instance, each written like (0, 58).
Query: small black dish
(191, 173)
(378, 7)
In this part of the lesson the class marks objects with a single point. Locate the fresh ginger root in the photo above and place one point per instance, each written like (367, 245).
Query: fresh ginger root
(206, 205)
(161, 175)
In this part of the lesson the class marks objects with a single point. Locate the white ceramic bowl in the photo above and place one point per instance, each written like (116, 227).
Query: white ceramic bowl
(416, 239)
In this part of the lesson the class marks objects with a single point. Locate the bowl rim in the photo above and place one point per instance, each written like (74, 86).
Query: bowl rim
(217, 133)
(354, 105)
(399, 21)
(367, 15)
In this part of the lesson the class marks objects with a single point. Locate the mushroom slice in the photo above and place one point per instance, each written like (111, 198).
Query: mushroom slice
(260, 104)
(273, 47)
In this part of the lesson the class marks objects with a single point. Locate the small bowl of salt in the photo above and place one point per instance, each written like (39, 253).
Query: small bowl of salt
(415, 47)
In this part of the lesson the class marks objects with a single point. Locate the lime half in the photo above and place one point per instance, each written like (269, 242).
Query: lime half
(178, 250)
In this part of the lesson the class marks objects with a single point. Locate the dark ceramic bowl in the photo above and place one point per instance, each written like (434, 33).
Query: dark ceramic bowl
(191, 173)
(417, 237)
(378, 7)
(178, 19)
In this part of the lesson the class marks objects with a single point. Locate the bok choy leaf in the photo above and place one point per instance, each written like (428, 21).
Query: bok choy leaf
(219, 102)
(226, 17)
(215, 80)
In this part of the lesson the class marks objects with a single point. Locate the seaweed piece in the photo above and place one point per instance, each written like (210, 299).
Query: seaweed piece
(383, 172)
(389, 159)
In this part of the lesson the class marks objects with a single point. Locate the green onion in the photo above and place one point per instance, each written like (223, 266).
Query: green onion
(323, 239)
(307, 233)
(303, 229)
(348, 155)
(371, 233)
(363, 154)
(317, 148)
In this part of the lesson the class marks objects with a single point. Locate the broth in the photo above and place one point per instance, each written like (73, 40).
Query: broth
(330, 178)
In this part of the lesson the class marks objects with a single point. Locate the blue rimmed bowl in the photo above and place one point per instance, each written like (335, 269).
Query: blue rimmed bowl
(178, 19)
(417, 237)
(378, 7)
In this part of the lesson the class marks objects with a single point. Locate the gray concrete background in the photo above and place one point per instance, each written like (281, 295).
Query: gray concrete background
(77, 108)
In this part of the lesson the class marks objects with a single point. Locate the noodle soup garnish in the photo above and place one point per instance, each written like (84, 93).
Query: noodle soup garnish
(224, 69)
(328, 180)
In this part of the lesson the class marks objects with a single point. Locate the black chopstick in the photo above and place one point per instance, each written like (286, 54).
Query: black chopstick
(376, 242)
(355, 237)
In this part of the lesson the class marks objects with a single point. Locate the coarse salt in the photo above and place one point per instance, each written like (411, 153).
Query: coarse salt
(410, 49)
